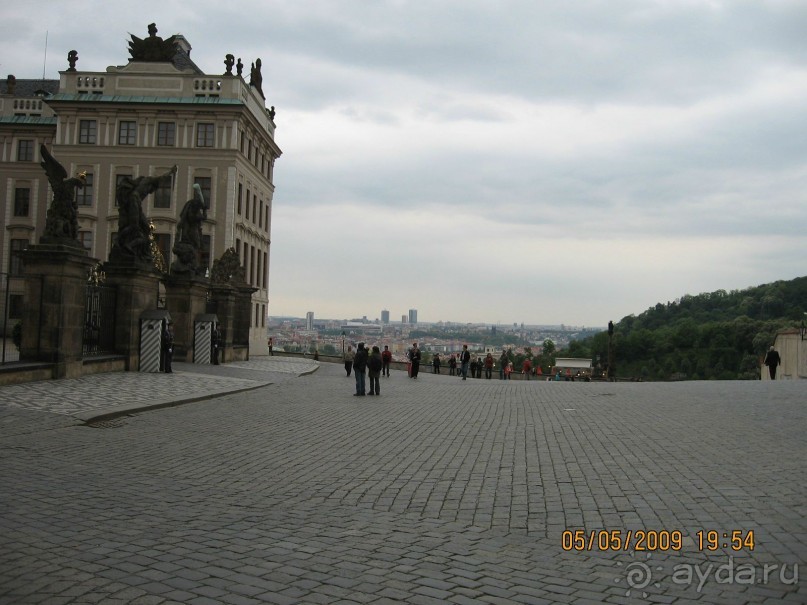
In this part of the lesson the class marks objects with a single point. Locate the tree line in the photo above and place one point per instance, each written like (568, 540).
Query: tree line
(718, 335)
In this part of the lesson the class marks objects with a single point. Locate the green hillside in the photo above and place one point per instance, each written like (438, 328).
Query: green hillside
(716, 335)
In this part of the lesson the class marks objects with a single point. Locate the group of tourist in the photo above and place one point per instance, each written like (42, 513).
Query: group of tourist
(371, 360)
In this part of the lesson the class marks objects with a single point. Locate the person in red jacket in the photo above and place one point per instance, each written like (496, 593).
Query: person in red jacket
(526, 368)
(386, 359)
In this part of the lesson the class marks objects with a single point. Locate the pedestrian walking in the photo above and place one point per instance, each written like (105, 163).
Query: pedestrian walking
(488, 366)
(436, 363)
(772, 360)
(348, 359)
(452, 365)
(270, 344)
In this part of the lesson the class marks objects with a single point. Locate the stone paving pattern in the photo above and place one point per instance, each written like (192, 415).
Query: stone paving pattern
(438, 491)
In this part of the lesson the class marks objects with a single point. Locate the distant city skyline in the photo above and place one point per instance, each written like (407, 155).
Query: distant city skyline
(310, 315)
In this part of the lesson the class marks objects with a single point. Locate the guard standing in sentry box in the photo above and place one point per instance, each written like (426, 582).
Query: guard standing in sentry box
(167, 346)
(216, 343)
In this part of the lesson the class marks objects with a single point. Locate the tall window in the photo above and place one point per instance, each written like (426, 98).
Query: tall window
(206, 251)
(127, 132)
(85, 237)
(166, 134)
(265, 270)
(15, 262)
(84, 195)
(25, 151)
(204, 135)
(87, 131)
(247, 204)
(163, 241)
(22, 201)
(118, 179)
(240, 195)
(162, 197)
(252, 265)
(205, 183)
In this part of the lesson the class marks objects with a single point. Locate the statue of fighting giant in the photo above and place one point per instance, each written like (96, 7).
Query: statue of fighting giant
(132, 241)
(61, 223)
(188, 240)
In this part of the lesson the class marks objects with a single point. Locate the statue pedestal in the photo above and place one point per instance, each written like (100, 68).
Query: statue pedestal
(55, 300)
(185, 299)
(137, 288)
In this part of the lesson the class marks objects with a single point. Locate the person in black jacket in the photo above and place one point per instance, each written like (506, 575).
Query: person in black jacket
(359, 366)
(414, 358)
(374, 366)
(772, 360)
(168, 346)
(465, 361)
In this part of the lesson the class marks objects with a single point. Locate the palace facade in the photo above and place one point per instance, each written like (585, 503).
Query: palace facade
(135, 120)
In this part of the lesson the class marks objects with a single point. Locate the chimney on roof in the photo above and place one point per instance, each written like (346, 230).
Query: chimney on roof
(183, 43)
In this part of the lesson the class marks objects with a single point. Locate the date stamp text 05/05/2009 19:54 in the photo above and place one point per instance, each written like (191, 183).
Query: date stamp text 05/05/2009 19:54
(655, 540)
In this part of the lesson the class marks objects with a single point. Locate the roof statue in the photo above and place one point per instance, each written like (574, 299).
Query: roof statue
(255, 77)
(61, 223)
(72, 59)
(153, 48)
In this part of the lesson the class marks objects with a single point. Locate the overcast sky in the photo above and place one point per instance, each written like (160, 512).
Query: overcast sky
(499, 161)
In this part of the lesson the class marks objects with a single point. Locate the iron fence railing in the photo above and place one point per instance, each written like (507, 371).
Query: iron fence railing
(99, 321)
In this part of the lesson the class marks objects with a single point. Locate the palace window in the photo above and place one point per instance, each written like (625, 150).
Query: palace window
(166, 134)
(86, 239)
(84, 195)
(162, 197)
(127, 132)
(204, 135)
(163, 241)
(25, 150)
(118, 179)
(87, 132)
(205, 183)
(22, 201)
(15, 262)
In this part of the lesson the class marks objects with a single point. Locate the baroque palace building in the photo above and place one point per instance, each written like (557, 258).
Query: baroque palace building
(135, 120)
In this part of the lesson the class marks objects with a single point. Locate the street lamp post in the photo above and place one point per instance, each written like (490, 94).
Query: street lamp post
(343, 344)
(610, 350)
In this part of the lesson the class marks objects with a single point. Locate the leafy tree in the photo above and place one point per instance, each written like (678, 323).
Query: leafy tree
(717, 335)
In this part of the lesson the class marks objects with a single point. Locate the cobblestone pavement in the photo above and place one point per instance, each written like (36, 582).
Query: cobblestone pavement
(438, 491)
(91, 395)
